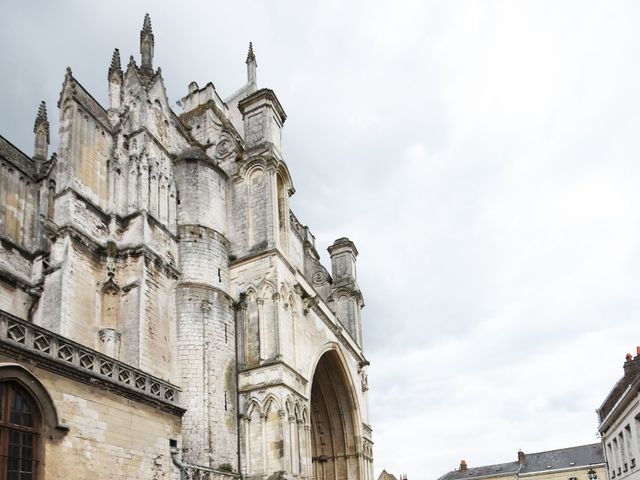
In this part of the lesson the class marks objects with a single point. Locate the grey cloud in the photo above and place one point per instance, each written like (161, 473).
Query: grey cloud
(482, 155)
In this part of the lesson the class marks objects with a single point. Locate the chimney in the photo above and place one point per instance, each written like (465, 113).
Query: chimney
(521, 457)
(631, 366)
(637, 351)
(463, 465)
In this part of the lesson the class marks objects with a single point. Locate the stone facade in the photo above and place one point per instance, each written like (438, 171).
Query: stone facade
(161, 306)
(619, 423)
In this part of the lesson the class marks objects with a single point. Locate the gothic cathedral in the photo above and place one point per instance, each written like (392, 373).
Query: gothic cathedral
(163, 313)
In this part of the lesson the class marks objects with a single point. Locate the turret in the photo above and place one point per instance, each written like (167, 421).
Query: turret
(146, 46)
(205, 319)
(251, 67)
(263, 118)
(41, 130)
(115, 82)
(343, 254)
(345, 293)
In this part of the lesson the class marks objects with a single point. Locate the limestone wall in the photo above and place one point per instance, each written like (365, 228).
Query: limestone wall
(109, 436)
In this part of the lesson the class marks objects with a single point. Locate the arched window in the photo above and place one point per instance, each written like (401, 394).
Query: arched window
(20, 428)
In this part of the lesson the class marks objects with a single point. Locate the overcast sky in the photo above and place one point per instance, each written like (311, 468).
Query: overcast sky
(483, 156)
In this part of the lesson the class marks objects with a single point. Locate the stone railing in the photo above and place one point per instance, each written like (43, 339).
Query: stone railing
(199, 472)
(62, 353)
(202, 473)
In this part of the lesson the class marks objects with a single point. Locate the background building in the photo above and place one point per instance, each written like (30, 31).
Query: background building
(585, 462)
(619, 427)
(162, 310)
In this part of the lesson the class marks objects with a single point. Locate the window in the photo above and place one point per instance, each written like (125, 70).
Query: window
(19, 433)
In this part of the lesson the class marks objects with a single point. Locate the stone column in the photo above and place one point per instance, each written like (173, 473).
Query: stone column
(308, 453)
(276, 313)
(302, 454)
(263, 431)
(110, 340)
(246, 468)
(261, 330)
(286, 440)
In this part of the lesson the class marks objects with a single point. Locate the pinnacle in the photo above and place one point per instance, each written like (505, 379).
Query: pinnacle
(250, 55)
(41, 119)
(42, 111)
(115, 62)
(146, 26)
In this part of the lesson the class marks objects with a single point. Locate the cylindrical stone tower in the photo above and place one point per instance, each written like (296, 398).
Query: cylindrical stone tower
(205, 320)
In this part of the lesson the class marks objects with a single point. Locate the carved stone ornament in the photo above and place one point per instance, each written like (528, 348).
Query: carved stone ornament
(319, 277)
(225, 147)
(364, 380)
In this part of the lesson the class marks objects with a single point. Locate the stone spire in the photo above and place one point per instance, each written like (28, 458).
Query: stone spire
(251, 66)
(115, 81)
(41, 129)
(116, 67)
(146, 45)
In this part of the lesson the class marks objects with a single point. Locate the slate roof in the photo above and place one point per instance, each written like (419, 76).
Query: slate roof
(572, 457)
(13, 155)
(510, 468)
(564, 458)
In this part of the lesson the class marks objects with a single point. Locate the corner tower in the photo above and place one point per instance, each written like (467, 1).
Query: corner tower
(205, 324)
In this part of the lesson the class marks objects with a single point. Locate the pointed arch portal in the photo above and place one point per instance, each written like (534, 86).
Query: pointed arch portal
(333, 420)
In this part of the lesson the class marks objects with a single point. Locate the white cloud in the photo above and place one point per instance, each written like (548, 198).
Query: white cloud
(482, 155)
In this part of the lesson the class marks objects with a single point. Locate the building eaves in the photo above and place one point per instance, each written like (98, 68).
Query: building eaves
(16, 157)
(607, 416)
(617, 394)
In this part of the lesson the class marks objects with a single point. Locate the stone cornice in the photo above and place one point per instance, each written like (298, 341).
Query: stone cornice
(101, 248)
(245, 105)
(275, 363)
(206, 286)
(216, 233)
(8, 242)
(207, 162)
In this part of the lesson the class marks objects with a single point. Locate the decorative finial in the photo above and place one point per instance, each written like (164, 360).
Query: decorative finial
(41, 119)
(251, 57)
(69, 73)
(41, 129)
(146, 25)
(252, 65)
(146, 45)
(115, 64)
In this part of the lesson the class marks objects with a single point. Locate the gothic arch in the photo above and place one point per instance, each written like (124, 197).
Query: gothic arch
(110, 304)
(269, 401)
(335, 420)
(253, 405)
